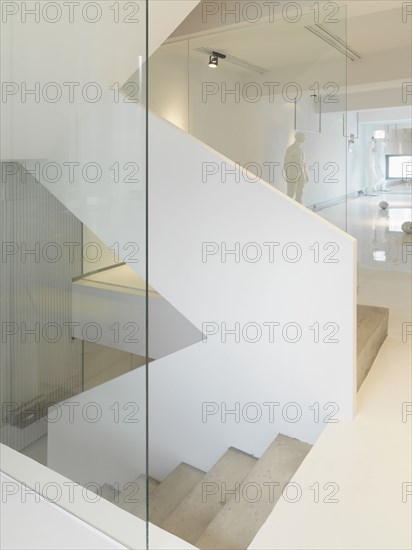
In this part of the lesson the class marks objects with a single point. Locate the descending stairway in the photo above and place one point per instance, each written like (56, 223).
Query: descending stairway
(225, 507)
(170, 493)
(198, 509)
(240, 519)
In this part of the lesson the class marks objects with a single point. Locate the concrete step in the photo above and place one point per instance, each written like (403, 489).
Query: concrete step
(133, 494)
(240, 519)
(170, 493)
(372, 332)
(191, 517)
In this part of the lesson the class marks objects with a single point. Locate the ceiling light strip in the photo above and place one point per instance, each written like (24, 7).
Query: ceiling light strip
(339, 40)
(335, 45)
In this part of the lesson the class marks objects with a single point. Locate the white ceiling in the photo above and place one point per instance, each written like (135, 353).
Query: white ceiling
(281, 44)
(270, 45)
(382, 31)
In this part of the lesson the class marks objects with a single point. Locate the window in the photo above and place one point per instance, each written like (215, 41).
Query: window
(379, 134)
(399, 167)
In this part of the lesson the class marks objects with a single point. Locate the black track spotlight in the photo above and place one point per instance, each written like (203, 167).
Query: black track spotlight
(214, 59)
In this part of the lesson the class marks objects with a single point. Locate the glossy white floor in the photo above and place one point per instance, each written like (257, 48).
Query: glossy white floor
(368, 461)
(381, 242)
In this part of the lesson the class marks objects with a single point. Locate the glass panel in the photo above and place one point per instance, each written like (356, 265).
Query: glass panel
(379, 218)
(279, 77)
(73, 232)
(271, 97)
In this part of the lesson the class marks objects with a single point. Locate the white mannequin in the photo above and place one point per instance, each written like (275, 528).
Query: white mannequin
(295, 168)
(375, 172)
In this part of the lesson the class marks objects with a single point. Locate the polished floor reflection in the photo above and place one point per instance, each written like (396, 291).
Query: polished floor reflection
(381, 242)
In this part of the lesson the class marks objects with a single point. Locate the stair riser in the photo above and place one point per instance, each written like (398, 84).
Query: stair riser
(367, 353)
(241, 518)
(197, 510)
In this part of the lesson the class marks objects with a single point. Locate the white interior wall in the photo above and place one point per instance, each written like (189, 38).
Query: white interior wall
(169, 83)
(256, 132)
(236, 370)
(81, 54)
(120, 315)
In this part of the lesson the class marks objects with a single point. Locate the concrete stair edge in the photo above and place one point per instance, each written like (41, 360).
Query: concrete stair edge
(191, 517)
(165, 498)
(235, 526)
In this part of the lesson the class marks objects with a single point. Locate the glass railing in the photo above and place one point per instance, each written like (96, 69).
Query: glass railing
(234, 357)
(266, 101)
(268, 93)
(73, 201)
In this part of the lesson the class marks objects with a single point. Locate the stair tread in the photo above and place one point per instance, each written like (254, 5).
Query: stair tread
(170, 493)
(134, 493)
(369, 318)
(191, 517)
(235, 526)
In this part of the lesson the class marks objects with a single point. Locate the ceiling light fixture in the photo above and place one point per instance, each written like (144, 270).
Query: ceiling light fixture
(230, 59)
(214, 59)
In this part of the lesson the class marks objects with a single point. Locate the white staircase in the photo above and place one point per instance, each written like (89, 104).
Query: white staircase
(185, 214)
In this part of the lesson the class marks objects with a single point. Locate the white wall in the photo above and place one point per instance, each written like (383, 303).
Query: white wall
(118, 320)
(95, 45)
(245, 292)
(103, 439)
(305, 292)
(259, 132)
(169, 83)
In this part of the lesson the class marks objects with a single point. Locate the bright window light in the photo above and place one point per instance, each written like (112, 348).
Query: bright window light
(399, 167)
(379, 256)
(379, 134)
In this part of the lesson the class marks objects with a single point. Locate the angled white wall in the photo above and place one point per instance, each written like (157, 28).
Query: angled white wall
(187, 210)
(209, 290)
(108, 312)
